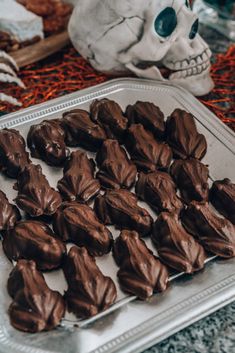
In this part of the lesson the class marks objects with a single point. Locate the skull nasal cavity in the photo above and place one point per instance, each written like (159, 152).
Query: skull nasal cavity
(166, 22)
(194, 30)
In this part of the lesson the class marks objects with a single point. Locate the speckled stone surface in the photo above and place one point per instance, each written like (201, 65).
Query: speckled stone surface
(213, 334)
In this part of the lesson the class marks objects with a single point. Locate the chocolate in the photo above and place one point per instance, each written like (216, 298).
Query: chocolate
(9, 213)
(34, 240)
(222, 196)
(145, 151)
(80, 130)
(175, 247)
(109, 115)
(78, 223)
(35, 306)
(141, 273)
(89, 291)
(159, 191)
(13, 156)
(191, 177)
(119, 207)
(149, 115)
(183, 137)
(115, 169)
(47, 142)
(78, 182)
(35, 196)
(216, 234)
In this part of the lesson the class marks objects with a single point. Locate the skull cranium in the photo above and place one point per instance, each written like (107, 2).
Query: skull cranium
(145, 37)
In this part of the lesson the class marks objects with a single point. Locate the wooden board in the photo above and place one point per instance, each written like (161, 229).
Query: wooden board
(40, 50)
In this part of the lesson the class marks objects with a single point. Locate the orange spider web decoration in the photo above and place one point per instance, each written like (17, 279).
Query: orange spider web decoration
(67, 72)
(222, 99)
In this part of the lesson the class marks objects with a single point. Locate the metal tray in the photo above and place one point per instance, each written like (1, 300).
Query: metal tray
(129, 325)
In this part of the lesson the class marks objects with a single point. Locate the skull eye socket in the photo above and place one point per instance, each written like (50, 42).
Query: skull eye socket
(166, 22)
(194, 30)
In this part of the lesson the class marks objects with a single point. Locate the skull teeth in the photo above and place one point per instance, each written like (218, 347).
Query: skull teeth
(199, 60)
(204, 57)
(196, 70)
(189, 63)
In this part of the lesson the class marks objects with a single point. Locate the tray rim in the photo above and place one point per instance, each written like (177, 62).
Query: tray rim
(23, 115)
(227, 286)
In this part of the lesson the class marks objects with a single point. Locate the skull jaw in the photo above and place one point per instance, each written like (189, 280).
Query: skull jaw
(199, 85)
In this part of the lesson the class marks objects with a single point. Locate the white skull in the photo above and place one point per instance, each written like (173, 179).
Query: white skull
(145, 37)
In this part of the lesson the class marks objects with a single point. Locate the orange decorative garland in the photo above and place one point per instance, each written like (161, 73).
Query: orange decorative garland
(67, 72)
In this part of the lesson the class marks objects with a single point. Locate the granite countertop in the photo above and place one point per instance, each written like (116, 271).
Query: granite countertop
(215, 333)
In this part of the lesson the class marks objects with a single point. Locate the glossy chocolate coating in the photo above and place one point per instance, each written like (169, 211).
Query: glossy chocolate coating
(78, 182)
(191, 177)
(115, 168)
(183, 137)
(216, 234)
(34, 240)
(35, 196)
(149, 115)
(159, 191)
(35, 306)
(145, 151)
(78, 222)
(222, 196)
(141, 273)
(47, 142)
(13, 156)
(80, 130)
(109, 115)
(119, 207)
(89, 291)
(9, 213)
(177, 248)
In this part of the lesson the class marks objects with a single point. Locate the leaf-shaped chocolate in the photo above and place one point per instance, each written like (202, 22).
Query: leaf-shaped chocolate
(89, 291)
(183, 137)
(177, 248)
(215, 233)
(35, 306)
(141, 273)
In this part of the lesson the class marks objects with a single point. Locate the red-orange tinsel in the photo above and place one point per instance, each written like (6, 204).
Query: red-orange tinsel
(67, 72)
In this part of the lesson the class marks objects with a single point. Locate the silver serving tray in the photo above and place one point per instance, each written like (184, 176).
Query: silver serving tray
(129, 325)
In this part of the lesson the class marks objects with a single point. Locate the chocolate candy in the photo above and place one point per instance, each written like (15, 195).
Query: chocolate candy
(33, 240)
(191, 177)
(145, 151)
(149, 115)
(216, 234)
(159, 191)
(35, 196)
(46, 141)
(89, 291)
(78, 222)
(222, 196)
(78, 182)
(116, 170)
(80, 130)
(141, 273)
(9, 213)
(177, 248)
(183, 137)
(119, 207)
(13, 156)
(109, 115)
(35, 306)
